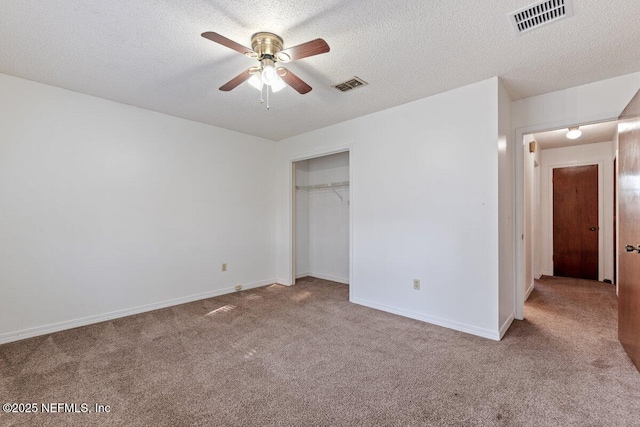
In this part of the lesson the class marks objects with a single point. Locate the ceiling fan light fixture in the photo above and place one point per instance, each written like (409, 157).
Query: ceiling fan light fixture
(269, 72)
(256, 81)
(574, 133)
(278, 84)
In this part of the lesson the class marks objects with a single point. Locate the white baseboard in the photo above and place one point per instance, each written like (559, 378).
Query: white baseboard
(327, 277)
(69, 324)
(299, 275)
(506, 324)
(528, 291)
(283, 282)
(462, 327)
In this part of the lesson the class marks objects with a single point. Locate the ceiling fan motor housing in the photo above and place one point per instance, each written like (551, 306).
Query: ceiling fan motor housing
(266, 44)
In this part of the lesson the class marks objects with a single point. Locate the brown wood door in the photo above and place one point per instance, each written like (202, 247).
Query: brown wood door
(629, 233)
(575, 222)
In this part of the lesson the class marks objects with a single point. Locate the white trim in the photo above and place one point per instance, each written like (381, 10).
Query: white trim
(506, 324)
(327, 277)
(293, 211)
(351, 205)
(518, 199)
(321, 153)
(283, 283)
(299, 275)
(69, 324)
(462, 327)
(527, 293)
(616, 209)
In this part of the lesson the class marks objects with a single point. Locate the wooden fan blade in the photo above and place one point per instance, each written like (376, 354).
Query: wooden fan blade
(215, 37)
(304, 50)
(234, 82)
(295, 82)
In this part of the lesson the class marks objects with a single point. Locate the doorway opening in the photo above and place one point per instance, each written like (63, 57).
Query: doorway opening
(618, 178)
(569, 227)
(321, 218)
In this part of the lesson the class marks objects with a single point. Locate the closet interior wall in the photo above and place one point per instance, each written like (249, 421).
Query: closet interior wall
(322, 218)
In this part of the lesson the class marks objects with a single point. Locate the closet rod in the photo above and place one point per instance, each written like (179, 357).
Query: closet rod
(319, 186)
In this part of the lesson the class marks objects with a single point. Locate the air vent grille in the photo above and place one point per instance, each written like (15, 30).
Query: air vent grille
(539, 14)
(350, 84)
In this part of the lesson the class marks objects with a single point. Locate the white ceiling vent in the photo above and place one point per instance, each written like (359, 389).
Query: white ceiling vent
(540, 13)
(350, 84)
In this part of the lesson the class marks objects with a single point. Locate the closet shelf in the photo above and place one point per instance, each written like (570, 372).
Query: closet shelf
(321, 186)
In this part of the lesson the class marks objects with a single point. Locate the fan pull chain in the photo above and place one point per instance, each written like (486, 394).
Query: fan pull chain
(268, 97)
(261, 92)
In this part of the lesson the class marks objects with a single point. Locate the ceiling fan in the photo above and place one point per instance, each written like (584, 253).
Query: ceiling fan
(267, 48)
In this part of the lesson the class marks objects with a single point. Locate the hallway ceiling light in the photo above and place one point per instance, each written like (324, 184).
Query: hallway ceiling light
(574, 133)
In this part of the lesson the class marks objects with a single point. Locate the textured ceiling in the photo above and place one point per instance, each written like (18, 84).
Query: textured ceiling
(599, 132)
(150, 54)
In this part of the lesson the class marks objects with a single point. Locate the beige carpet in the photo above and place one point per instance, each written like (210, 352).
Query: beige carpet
(305, 356)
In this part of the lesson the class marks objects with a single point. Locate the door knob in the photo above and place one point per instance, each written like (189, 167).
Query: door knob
(631, 248)
(593, 229)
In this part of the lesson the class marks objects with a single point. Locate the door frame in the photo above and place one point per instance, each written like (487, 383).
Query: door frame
(549, 231)
(519, 282)
(292, 208)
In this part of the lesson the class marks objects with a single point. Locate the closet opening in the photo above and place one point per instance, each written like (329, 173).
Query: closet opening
(321, 218)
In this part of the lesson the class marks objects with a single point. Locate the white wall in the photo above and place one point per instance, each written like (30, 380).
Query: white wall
(531, 213)
(600, 154)
(329, 219)
(505, 216)
(594, 102)
(424, 205)
(537, 226)
(107, 209)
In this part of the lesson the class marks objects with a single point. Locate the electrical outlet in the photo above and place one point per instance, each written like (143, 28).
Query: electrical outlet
(238, 287)
(224, 266)
(416, 284)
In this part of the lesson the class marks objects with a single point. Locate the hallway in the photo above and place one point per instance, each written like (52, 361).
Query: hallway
(583, 308)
